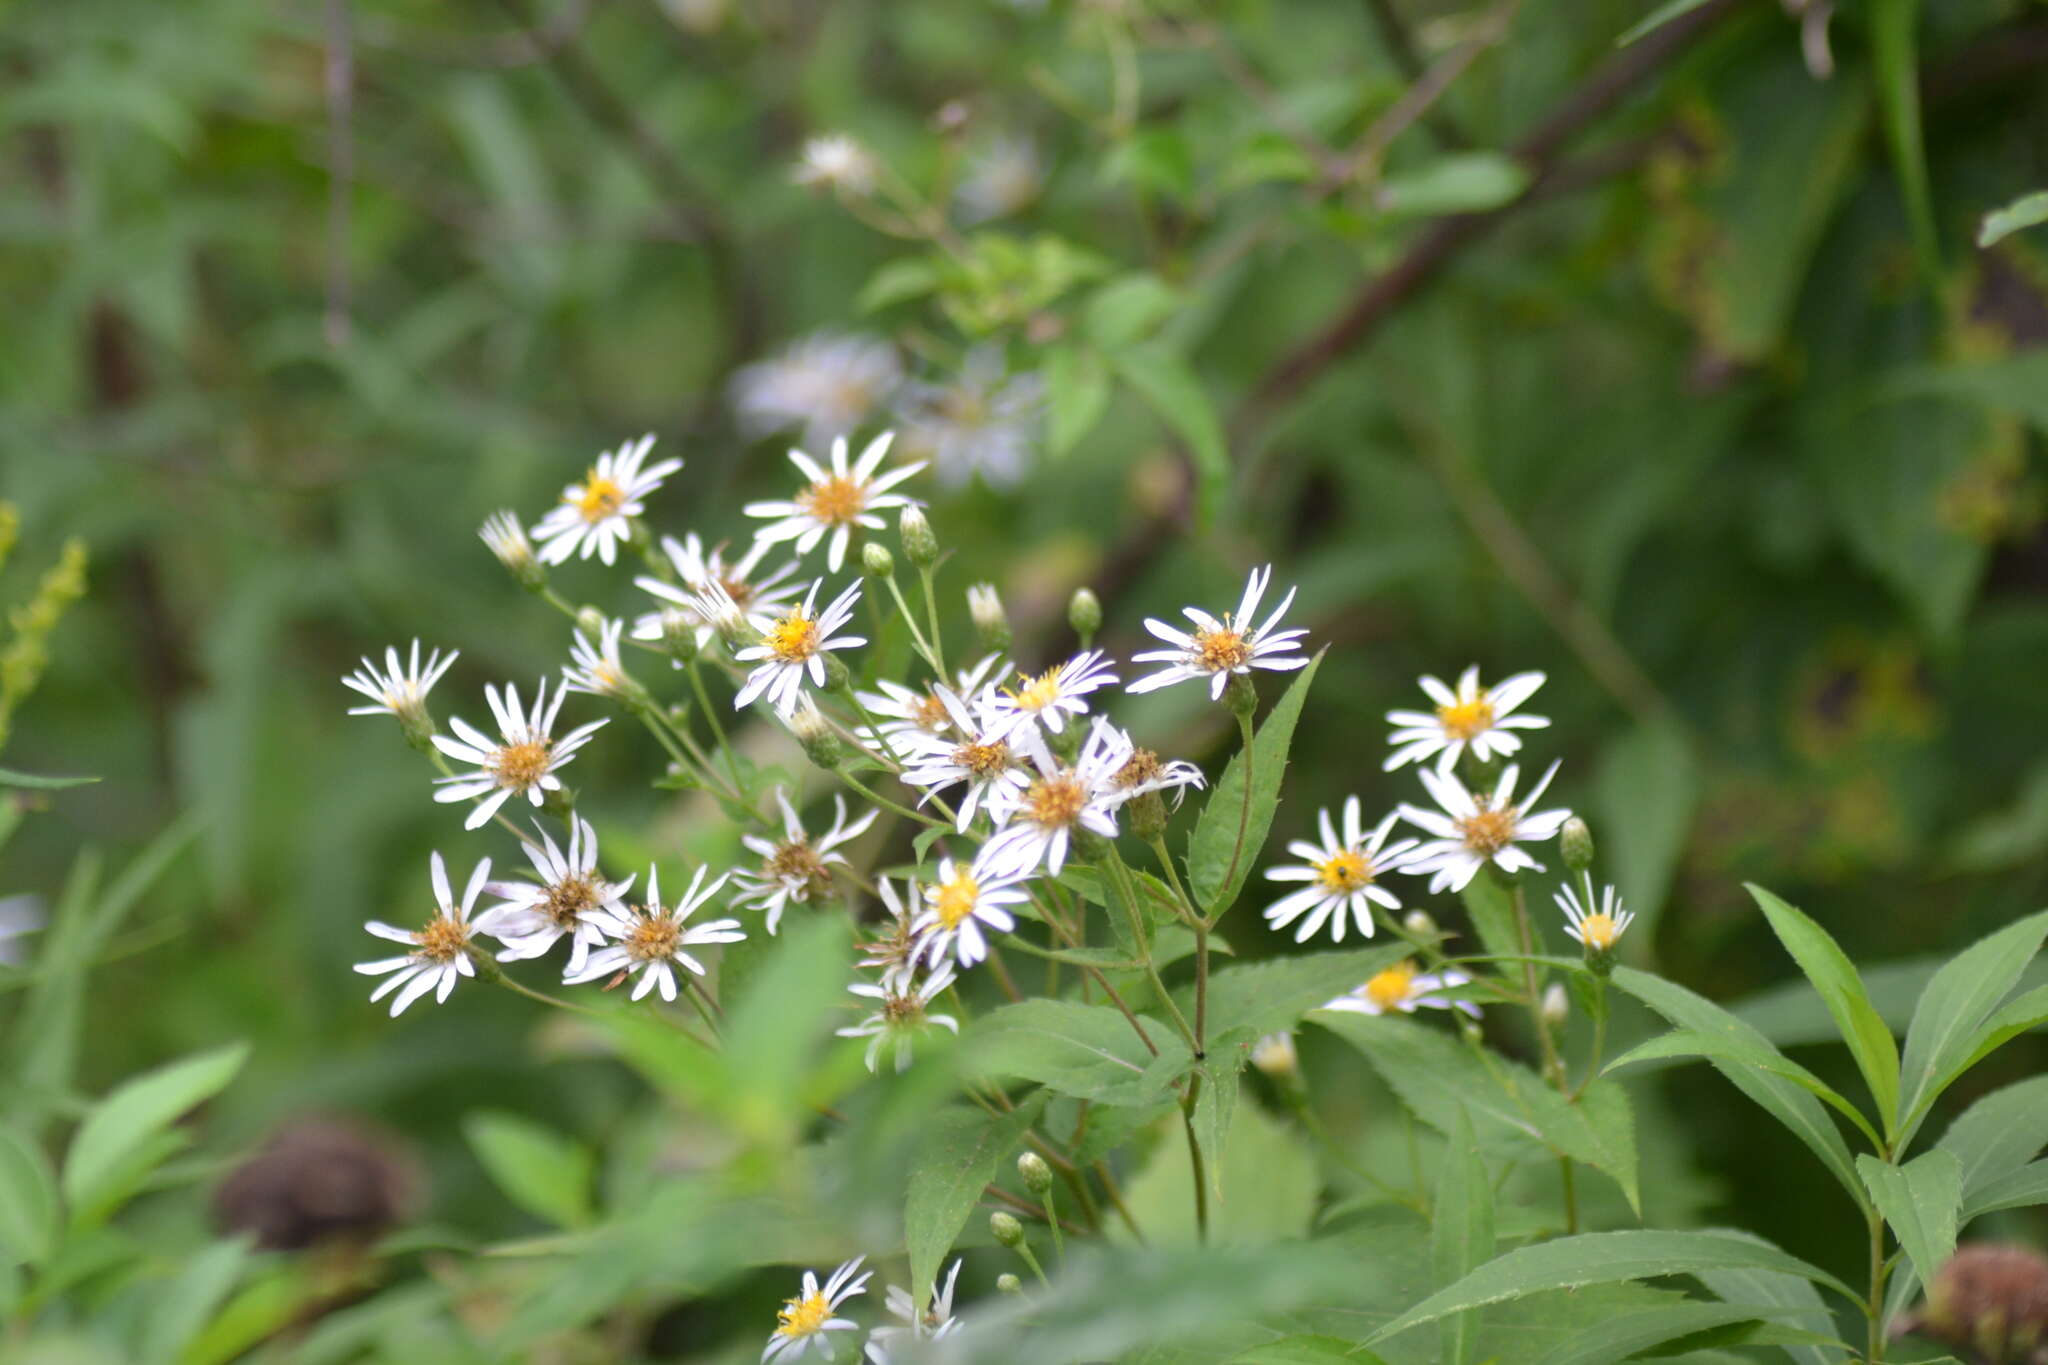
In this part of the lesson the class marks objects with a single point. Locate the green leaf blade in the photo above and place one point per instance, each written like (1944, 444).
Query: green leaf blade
(122, 1126)
(1835, 977)
(1218, 863)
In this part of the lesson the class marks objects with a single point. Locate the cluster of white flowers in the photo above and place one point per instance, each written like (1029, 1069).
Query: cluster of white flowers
(810, 1317)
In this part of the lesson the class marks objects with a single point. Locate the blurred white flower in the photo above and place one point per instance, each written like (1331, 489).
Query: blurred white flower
(757, 594)
(1401, 989)
(794, 648)
(803, 1321)
(795, 869)
(597, 514)
(525, 762)
(531, 916)
(835, 500)
(1342, 875)
(983, 422)
(961, 908)
(507, 540)
(1474, 829)
(439, 950)
(828, 383)
(1469, 716)
(597, 669)
(399, 689)
(836, 161)
(935, 1322)
(1216, 649)
(901, 1013)
(1001, 177)
(652, 939)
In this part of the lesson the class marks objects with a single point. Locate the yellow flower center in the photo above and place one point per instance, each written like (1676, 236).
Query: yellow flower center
(1037, 693)
(797, 861)
(1346, 871)
(983, 760)
(955, 900)
(834, 501)
(1467, 719)
(1598, 931)
(794, 638)
(519, 766)
(1391, 987)
(1055, 802)
(1218, 651)
(802, 1317)
(654, 938)
(567, 900)
(1487, 832)
(598, 499)
(928, 714)
(443, 940)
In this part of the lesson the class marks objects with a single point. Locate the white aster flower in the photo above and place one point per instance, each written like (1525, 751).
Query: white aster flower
(836, 161)
(597, 669)
(894, 952)
(399, 688)
(794, 647)
(597, 514)
(836, 499)
(795, 868)
(1144, 771)
(937, 1321)
(1471, 716)
(524, 762)
(652, 940)
(967, 751)
(828, 383)
(983, 422)
(961, 909)
(507, 540)
(757, 595)
(898, 710)
(1402, 989)
(1035, 824)
(531, 916)
(1596, 930)
(901, 1012)
(805, 1320)
(1275, 1055)
(1050, 697)
(1216, 649)
(439, 953)
(1474, 829)
(1001, 178)
(1342, 875)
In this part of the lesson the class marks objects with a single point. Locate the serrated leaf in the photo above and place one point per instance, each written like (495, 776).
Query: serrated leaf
(1088, 1051)
(1492, 908)
(1997, 1136)
(1687, 1043)
(2023, 1188)
(538, 1169)
(1163, 378)
(958, 1157)
(1215, 1106)
(1603, 1258)
(1953, 1010)
(29, 1211)
(1267, 1177)
(1077, 385)
(2027, 211)
(1461, 1230)
(1228, 835)
(1628, 1335)
(1835, 977)
(1922, 1201)
(134, 1115)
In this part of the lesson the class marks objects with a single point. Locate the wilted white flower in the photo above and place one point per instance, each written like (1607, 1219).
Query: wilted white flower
(794, 647)
(901, 1012)
(1342, 875)
(531, 916)
(836, 161)
(935, 1322)
(1471, 716)
(795, 869)
(1474, 829)
(757, 595)
(597, 514)
(1001, 177)
(1050, 697)
(399, 689)
(1036, 823)
(439, 951)
(525, 762)
(805, 1320)
(981, 423)
(597, 669)
(961, 909)
(507, 540)
(1216, 649)
(835, 500)
(828, 383)
(1597, 930)
(966, 751)
(652, 939)
(1400, 988)
(897, 709)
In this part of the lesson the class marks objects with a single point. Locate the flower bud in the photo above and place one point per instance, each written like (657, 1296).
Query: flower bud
(821, 742)
(876, 561)
(679, 636)
(1145, 816)
(1555, 1007)
(837, 679)
(1274, 1055)
(920, 546)
(1006, 1229)
(1420, 924)
(1575, 842)
(1037, 1176)
(991, 622)
(590, 621)
(507, 539)
(1084, 613)
(1006, 1283)
(1241, 695)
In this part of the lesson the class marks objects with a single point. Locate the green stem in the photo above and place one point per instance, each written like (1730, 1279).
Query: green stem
(931, 616)
(1187, 1122)
(1571, 1197)
(732, 761)
(1128, 894)
(1189, 912)
(917, 639)
(1024, 1250)
(1874, 1310)
(1052, 1220)
(871, 794)
(1553, 1065)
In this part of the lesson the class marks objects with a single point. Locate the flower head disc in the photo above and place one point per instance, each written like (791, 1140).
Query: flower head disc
(597, 497)
(794, 638)
(653, 938)
(803, 1317)
(1598, 931)
(834, 500)
(1467, 719)
(983, 760)
(954, 900)
(1390, 989)
(519, 766)
(1054, 802)
(1345, 870)
(1489, 829)
(1221, 651)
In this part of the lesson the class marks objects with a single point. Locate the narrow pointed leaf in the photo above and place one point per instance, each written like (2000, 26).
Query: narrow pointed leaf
(124, 1124)
(1996, 1137)
(1834, 976)
(1953, 1009)
(1921, 1200)
(1225, 845)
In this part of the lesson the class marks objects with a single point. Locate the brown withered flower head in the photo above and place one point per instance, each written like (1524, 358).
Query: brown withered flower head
(1989, 1304)
(318, 1181)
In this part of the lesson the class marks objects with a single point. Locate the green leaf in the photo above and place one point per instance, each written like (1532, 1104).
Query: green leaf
(2020, 1189)
(1461, 1230)
(1163, 378)
(1219, 859)
(1267, 1176)
(1088, 1051)
(182, 1307)
(1076, 396)
(1126, 310)
(1646, 786)
(1630, 1334)
(1602, 1258)
(1743, 1052)
(1264, 997)
(897, 282)
(2027, 211)
(1834, 976)
(1657, 18)
(1305, 1350)
(2022, 1014)
(1997, 1136)
(1954, 1008)
(41, 782)
(1215, 1107)
(540, 1170)
(1894, 26)
(1797, 1301)
(121, 1130)
(1492, 908)
(1784, 1100)
(29, 1212)
(959, 1156)
(1462, 182)
(1922, 1201)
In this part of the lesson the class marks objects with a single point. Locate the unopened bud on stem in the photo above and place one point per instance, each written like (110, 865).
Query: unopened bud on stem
(837, 679)
(1006, 1229)
(1555, 1007)
(507, 539)
(1084, 614)
(1420, 924)
(1575, 842)
(991, 622)
(1241, 695)
(821, 742)
(1037, 1176)
(876, 561)
(920, 546)
(1006, 1283)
